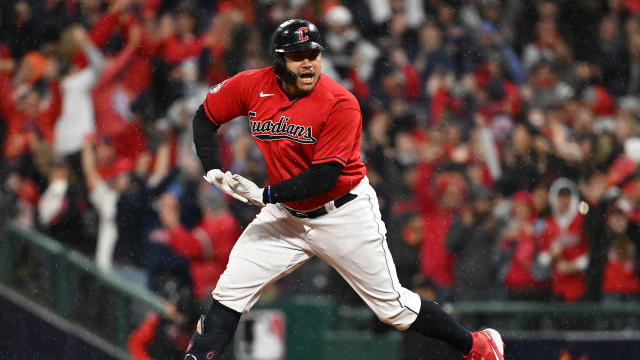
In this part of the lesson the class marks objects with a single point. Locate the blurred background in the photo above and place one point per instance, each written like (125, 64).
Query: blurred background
(502, 138)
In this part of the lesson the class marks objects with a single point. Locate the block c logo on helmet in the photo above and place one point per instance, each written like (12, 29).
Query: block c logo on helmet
(302, 33)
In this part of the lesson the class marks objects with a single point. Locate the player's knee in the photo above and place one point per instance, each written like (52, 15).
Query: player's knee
(400, 320)
(238, 301)
(234, 302)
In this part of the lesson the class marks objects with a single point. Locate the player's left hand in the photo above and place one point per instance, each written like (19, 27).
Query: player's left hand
(245, 188)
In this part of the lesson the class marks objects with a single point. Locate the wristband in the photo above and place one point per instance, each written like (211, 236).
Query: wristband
(269, 192)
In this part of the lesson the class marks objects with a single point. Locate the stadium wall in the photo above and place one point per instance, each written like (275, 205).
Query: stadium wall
(30, 331)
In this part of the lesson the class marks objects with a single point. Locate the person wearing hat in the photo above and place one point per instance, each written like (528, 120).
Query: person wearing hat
(519, 246)
(563, 244)
(308, 129)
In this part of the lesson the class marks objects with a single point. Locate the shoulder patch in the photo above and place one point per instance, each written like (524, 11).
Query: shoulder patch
(214, 89)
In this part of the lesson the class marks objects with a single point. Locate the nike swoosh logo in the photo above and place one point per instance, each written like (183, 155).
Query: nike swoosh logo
(265, 95)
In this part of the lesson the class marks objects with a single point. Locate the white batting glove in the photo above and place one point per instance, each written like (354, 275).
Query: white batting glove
(245, 188)
(215, 177)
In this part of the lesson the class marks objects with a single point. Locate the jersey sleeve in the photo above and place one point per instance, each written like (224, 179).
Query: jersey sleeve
(339, 139)
(226, 100)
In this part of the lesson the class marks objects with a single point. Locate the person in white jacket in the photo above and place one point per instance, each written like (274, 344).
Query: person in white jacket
(77, 118)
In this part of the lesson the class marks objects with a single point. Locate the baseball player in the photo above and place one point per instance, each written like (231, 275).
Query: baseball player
(319, 201)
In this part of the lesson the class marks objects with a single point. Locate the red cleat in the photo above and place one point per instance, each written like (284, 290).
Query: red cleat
(487, 345)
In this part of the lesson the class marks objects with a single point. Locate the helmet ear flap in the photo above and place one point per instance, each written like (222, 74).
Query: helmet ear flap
(280, 66)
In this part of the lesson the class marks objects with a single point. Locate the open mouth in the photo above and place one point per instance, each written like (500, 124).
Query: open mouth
(306, 77)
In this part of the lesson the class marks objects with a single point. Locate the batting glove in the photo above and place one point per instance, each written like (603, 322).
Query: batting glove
(216, 178)
(245, 188)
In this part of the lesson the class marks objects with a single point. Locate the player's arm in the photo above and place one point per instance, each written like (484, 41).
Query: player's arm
(317, 179)
(224, 102)
(205, 138)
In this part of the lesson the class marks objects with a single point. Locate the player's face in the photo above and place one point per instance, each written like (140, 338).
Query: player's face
(307, 65)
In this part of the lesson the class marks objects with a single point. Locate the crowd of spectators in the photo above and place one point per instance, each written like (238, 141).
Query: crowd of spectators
(502, 136)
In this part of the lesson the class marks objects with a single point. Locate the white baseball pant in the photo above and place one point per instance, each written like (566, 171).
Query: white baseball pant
(351, 239)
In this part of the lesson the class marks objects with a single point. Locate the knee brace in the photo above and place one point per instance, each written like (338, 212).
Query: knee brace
(207, 346)
(213, 333)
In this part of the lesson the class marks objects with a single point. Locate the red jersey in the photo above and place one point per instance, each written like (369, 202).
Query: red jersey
(292, 135)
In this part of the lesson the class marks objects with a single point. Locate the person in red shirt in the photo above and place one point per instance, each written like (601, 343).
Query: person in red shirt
(164, 335)
(182, 43)
(207, 246)
(112, 97)
(318, 201)
(25, 111)
(620, 280)
(521, 244)
(563, 244)
(440, 197)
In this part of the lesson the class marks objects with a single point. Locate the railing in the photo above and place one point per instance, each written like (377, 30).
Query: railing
(528, 316)
(71, 285)
(516, 317)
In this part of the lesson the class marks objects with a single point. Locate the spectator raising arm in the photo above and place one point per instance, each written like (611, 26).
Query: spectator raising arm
(161, 166)
(77, 118)
(104, 199)
(89, 167)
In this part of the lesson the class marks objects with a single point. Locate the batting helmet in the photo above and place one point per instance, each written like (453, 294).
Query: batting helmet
(293, 35)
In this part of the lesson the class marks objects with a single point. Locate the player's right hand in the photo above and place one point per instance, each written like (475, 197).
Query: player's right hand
(245, 187)
(215, 177)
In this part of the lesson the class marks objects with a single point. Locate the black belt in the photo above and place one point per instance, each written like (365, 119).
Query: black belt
(322, 210)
